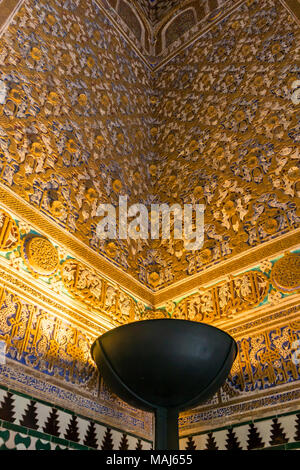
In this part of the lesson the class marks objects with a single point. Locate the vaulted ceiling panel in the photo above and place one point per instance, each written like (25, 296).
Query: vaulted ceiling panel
(160, 28)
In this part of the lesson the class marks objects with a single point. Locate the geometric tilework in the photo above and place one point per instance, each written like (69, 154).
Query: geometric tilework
(26, 423)
(13, 440)
(279, 431)
(25, 439)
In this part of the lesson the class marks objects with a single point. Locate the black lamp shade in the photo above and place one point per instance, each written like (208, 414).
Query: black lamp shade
(165, 365)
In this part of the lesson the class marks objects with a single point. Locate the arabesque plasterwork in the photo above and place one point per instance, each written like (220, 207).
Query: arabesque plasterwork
(66, 276)
(249, 190)
(82, 120)
(50, 325)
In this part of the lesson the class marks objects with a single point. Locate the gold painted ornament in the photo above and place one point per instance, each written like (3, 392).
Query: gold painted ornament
(40, 255)
(285, 274)
(271, 226)
(9, 233)
(36, 53)
(154, 278)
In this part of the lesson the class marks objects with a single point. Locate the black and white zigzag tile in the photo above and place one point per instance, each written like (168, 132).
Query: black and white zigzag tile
(265, 433)
(44, 418)
(30, 414)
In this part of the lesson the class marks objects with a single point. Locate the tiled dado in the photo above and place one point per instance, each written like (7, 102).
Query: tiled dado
(30, 424)
(280, 432)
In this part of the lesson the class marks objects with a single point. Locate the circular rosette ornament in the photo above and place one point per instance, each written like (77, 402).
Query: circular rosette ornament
(40, 255)
(285, 274)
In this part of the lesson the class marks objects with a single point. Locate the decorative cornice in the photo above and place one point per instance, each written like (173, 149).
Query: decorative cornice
(77, 248)
(235, 265)
(80, 251)
(56, 304)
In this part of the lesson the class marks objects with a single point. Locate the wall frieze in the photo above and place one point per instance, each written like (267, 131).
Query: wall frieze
(74, 246)
(120, 280)
(101, 406)
(243, 261)
(33, 292)
(259, 408)
(263, 379)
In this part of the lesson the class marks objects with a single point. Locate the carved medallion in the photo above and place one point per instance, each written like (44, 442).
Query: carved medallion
(40, 255)
(9, 233)
(285, 274)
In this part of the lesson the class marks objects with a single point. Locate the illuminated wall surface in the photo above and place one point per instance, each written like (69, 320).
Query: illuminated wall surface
(104, 99)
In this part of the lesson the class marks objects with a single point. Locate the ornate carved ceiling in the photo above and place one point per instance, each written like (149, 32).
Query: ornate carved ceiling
(83, 121)
(153, 10)
(156, 10)
(159, 29)
(216, 125)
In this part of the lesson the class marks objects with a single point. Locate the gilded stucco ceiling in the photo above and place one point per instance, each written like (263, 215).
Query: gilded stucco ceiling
(155, 10)
(215, 125)
(160, 28)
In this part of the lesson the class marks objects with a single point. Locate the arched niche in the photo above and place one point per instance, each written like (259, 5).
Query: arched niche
(177, 26)
(132, 20)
